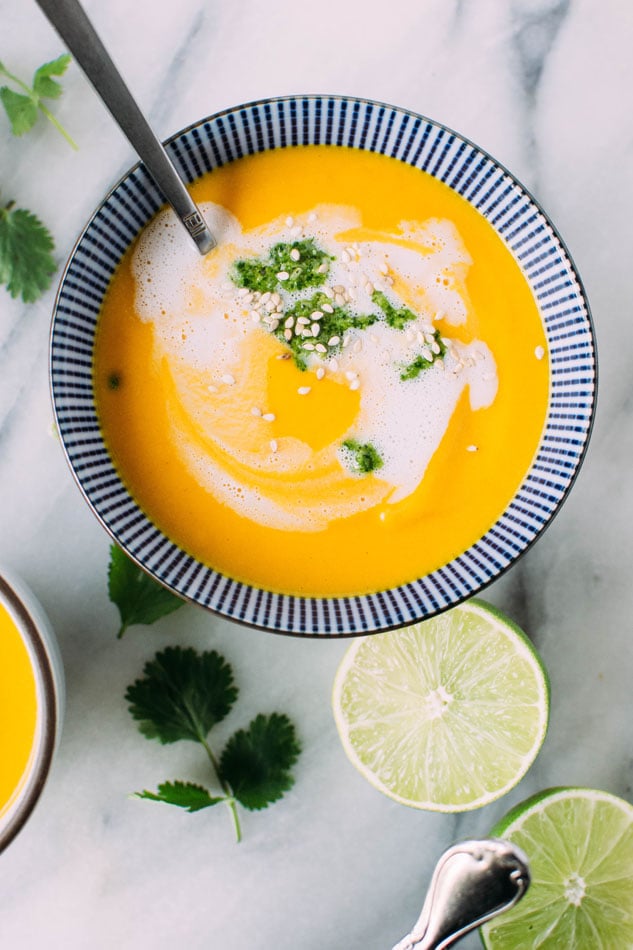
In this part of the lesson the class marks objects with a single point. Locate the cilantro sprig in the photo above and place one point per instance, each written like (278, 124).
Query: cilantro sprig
(24, 107)
(138, 597)
(26, 253)
(182, 696)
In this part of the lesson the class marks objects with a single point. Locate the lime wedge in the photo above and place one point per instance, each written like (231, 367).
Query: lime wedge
(447, 714)
(579, 843)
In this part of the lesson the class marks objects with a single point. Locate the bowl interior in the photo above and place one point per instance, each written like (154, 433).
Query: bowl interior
(423, 144)
(37, 637)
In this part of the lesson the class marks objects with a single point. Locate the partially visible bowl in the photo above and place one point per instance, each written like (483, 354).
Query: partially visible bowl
(488, 187)
(38, 664)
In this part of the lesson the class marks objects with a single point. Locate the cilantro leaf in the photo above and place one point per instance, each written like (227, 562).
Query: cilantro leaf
(256, 762)
(139, 598)
(22, 108)
(364, 457)
(26, 260)
(43, 85)
(186, 795)
(396, 317)
(182, 695)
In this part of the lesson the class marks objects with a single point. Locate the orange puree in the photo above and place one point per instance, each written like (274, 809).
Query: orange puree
(482, 457)
(18, 711)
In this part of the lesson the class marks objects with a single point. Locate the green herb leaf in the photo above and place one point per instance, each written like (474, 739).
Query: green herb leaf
(396, 317)
(305, 263)
(26, 260)
(420, 363)
(183, 794)
(21, 110)
(256, 762)
(43, 85)
(182, 695)
(332, 325)
(364, 457)
(139, 598)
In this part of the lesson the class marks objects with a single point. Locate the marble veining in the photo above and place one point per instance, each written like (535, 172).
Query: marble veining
(541, 84)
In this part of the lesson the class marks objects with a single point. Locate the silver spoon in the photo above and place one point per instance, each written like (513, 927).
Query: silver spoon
(78, 34)
(472, 882)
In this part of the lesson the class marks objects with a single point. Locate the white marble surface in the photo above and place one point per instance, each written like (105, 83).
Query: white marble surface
(545, 86)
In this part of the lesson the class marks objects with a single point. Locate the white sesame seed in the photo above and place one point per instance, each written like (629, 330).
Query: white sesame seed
(287, 334)
(539, 352)
(346, 341)
(289, 221)
(322, 268)
(295, 254)
(276, 299)
(212, 389)
(334, 365)
(283, 275)
(459, 367)
(334, 341)
(320, 348)
(345, 257)
(268, 417)
(316, 315)
(274, 325)
(307, 346)
(303, 390)
(243, 292)
(351, 293)
(273, 445)
(328, 308)
(389, 281)
(302, 321)
(426, 354)
(339, 299)
(327, 290)
(228, 378)
(369, 287)
(265, 297)
(255, 316)
(289, 323)
(351, 251)
(270, 305)
(355, 384)
(268, 319)
(471, 448)
(435, 347)
(256, 411)
(338, 289)
(315, 329)
(320, 373)
(383, 268)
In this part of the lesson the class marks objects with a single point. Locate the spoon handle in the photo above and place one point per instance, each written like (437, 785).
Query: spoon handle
(78, 34)
(472, 882)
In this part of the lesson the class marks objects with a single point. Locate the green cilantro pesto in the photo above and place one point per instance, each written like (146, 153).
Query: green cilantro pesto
(303, 261)
(364, 457)
(332, 325)
(421, 362)
(396, 317)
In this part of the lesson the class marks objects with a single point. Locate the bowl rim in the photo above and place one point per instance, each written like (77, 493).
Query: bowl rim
(20, 606)
(579, 460)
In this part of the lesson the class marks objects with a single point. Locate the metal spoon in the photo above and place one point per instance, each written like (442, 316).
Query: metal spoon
(472, 882)
(78, 34)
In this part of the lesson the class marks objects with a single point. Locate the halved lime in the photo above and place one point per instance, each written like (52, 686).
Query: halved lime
(579, 843)
(447, 714)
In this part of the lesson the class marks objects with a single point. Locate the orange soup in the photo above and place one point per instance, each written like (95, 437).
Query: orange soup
(341, 397)
(18, 712)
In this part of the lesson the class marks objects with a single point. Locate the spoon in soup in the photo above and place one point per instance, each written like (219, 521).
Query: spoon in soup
(473, 882)
(70, 21)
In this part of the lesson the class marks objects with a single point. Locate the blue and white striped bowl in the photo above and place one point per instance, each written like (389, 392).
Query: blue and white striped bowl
(410, 138)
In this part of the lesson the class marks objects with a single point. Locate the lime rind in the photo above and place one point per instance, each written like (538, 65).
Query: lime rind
(579, 842)
(446, 715)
